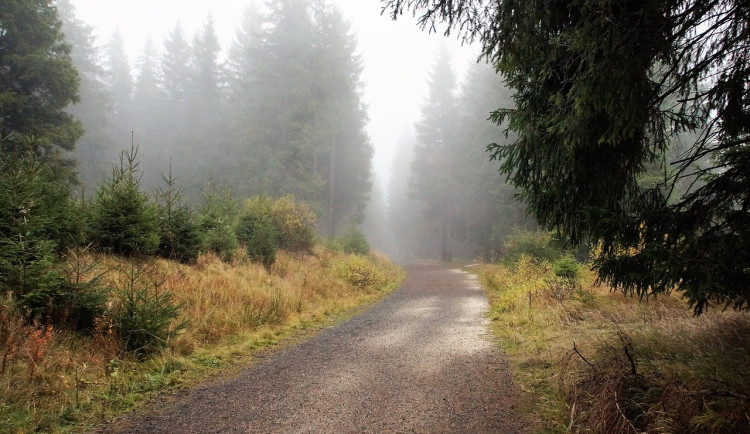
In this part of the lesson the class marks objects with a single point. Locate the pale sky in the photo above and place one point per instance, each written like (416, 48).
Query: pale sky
(397, 55)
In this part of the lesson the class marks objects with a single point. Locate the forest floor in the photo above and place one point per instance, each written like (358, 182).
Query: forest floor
(423, 360)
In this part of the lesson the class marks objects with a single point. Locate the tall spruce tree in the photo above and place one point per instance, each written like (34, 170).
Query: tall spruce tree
(176, 69)
(282, 157)
(343, 149)
(120, 88)
(601, 91)
(434, 156)
(487, 211)
(94, 152)
(300, 122)
(37, 81)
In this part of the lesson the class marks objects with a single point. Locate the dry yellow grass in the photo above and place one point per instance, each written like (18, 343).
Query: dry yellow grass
(53, 380)
(599, 361)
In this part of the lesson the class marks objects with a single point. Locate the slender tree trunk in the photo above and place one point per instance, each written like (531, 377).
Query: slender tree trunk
(332, 192)
(446, 253)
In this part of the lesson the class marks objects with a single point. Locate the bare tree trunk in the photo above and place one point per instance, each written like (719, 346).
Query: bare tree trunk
(332, 192)
(447, 253)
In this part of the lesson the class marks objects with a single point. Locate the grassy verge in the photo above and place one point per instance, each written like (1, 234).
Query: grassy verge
(53, 380)
(596, 361)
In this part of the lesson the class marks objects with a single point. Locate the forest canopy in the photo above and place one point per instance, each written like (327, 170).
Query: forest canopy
(632, 126)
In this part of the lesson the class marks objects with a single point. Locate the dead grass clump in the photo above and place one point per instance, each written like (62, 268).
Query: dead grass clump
(605, 362)
(42, 371)
(656, 380)
(58, 380)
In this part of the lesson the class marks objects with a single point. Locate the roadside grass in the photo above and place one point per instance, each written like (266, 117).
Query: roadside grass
(55, 380)
(593, 360)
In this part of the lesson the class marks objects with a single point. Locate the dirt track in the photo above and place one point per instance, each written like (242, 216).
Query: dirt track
(420, 361)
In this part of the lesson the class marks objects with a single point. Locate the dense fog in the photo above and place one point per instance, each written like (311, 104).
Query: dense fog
(292, 104)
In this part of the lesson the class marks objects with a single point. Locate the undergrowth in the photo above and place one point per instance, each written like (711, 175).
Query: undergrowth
(58, 380)
(593, 360)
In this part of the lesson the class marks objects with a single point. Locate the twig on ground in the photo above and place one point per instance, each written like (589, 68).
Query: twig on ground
(581, 356)
(623, 415)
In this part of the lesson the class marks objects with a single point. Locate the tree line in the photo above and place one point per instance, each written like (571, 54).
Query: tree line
(278, 112)
(447, 199)
(271, 108)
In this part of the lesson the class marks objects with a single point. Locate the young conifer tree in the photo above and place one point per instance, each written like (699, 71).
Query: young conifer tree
(124, 221)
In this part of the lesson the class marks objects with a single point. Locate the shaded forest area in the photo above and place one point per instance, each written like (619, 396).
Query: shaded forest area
(447, 199)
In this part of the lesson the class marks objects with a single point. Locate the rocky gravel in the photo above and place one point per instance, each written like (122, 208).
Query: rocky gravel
(423, 360)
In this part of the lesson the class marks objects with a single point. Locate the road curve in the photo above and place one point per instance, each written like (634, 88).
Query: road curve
(420, 361)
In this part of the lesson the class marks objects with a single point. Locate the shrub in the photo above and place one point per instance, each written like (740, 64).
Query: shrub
(354, 241)
(123, 219)
(256, 231)
(144, 314)
(217, 216)
(541, 246)
(518, 284)
(295, 224)
(83, 296)
(567, 268)
(359, 271)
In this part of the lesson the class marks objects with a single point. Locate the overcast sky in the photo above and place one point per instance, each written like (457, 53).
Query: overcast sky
(397, 55)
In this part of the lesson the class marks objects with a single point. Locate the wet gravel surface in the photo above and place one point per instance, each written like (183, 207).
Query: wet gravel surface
(420, 361)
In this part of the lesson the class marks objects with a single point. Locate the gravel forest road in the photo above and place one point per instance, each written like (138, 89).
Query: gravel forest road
(422, 360)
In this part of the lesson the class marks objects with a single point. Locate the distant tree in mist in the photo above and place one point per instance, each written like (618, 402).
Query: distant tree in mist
(282, 115)
(176, 80)
(447, 199)
(147, 93)
(207, 72)
(244, 52)
(432, 180)
(149, 114)
(203, 133)
(120, 87)
(175, 74)
(301, 123)
(404, 213)
(487, 210)
(94, 153)
(376, 227)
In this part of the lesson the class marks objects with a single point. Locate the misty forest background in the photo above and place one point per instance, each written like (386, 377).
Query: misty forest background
(280, 112)
(248, 170)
